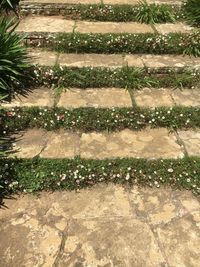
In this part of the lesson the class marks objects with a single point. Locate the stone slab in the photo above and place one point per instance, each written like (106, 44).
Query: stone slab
(45, 24)
(150, 143)
(106, 225)
(43, 58)
(191, 140)
(30, 143)
(134, 61)
(41, 97)
(178, 61)
(96, 243)
(150, 97)
(104, 97)
(180, 241)
(171, 27)
(90, 60)
(62, 1)
(61, 144)
(111, 27)
(187, 97)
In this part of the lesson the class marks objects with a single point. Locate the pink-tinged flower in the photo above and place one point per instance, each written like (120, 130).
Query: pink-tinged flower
(10, 114)
(61, 117)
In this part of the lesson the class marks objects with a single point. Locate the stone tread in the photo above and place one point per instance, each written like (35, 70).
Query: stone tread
(58, 24)
(148, 143)
(110, 2)
(106, 98)
(48, 58)
(106, 225)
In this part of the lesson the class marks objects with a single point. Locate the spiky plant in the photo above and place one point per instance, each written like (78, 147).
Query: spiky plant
(14, 59)
(191, 9)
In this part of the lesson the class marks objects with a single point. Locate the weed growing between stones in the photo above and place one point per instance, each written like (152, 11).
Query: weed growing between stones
(191, 9)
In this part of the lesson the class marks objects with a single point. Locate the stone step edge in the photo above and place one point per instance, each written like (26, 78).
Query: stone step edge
(150, 143)
(146, 61)
(106, 98)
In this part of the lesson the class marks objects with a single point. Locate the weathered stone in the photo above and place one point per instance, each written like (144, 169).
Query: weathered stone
(104, 97)
(134, 61)
(30, 143)
(180, 241)
(191, 140)
(157, 206)
(35, 244)
(186, 97)
(63, 1)
(105, 224)
(99, 202)
(90, 60)
(178, 61)
(43, 58)
(111, 27)
(111, 243)
(150, 97)
(150, 143)
(45, 24)
(41, 97)
(170, 27)
(61, 144)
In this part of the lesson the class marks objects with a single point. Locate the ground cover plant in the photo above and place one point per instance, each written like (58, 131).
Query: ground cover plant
(101, 119)
(33, 175)
(126, 77)
(148, 43)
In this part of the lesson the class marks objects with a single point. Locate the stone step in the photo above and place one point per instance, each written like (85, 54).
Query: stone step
(101, 225)
(58, 24)
(90, 2)
(148, 143)
(107, 98)
(48, 58)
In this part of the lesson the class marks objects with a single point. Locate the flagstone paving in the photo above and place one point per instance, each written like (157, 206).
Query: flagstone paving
(106, 225)
(148, 143)
(53, 24)
(106, 98)
(48, 58)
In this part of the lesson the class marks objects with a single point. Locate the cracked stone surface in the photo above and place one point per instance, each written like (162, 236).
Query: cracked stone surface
(150, 97)
(157, 61)
(93, 60)
(45, 24)
(95, 97)
(43, 58)
(29, 143)
(150, 143)
(61, 144)
(191, 140)
(106, 225)
(170, 27)
(186, 97)
(112, 27)
(43, 97)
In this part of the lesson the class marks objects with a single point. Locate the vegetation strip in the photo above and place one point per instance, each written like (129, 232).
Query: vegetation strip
(126, 77)
(100, 12)
(32, 175)
(98, 119)
(141, 43)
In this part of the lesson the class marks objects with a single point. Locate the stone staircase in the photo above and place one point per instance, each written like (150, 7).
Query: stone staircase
(131, 208)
